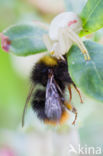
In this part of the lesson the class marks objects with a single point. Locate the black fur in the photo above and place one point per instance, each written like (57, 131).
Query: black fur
(40, 74)
(61, 74)
(38, 104)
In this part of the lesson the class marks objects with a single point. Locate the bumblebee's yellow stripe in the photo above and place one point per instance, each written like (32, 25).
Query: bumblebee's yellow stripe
(49, 60)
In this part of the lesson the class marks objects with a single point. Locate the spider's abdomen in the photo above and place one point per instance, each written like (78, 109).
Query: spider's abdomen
(65, 19)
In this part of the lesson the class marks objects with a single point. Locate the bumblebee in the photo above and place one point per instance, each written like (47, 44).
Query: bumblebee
(48, 101)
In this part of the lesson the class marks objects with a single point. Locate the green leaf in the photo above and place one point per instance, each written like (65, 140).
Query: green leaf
(87, 75)
(74, 5)
(92, 16)
(26, 39)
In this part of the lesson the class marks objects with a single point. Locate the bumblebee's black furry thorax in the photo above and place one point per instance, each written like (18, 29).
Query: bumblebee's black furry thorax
(60, 71)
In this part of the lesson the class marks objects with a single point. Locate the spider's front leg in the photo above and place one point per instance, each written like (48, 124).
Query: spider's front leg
(62, 45)
(47, 42)
(76, 39)
(53, 47)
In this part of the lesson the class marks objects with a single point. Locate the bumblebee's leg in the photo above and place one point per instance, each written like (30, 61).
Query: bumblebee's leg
(76, 114)
(26, 103)
(70, 93)
(72, 109)
(78, 92)
(75, 38)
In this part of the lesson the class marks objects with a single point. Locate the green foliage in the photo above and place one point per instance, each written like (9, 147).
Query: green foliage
(88, 75)
(74, 5)
(26, 39)
(12, 93)
(92, 16)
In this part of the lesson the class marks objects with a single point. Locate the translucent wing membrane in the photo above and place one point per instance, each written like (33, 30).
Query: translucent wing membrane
(53, 109)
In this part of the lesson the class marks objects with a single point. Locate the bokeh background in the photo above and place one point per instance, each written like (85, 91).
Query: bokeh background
(36, 139)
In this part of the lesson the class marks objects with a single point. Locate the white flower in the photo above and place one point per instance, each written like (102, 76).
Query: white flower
(63, 33)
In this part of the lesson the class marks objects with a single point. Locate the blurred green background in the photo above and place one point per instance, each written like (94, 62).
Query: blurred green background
(14, 83)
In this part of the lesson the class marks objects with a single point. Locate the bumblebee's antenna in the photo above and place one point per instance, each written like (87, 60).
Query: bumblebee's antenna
(26, 103)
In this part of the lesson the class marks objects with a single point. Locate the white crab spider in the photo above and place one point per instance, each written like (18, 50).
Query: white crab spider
(63, 33)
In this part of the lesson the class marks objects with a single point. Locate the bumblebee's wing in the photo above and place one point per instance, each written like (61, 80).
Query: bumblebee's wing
(26, 103)
(53, 108)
